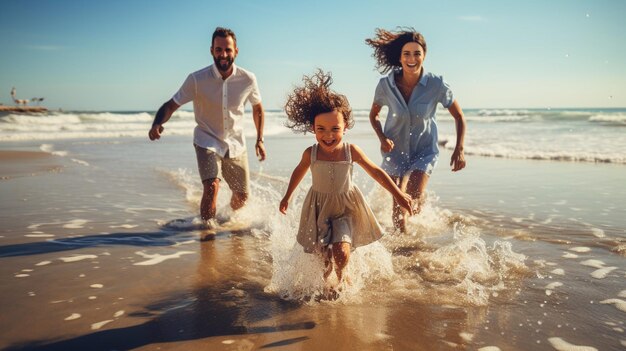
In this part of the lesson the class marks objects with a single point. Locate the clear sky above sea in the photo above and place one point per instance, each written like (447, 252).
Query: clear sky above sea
(134, 54)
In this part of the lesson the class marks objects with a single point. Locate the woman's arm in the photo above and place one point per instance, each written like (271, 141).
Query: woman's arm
(458, 158)
(385, 144)
(296, 178)
(381, 177)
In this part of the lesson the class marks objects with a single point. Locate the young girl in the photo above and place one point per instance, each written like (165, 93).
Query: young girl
(335, 217)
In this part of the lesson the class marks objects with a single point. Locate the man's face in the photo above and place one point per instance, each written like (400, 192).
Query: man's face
(224, 52)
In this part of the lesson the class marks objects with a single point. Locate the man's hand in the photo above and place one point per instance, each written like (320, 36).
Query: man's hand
(155, 132)
(260, 150)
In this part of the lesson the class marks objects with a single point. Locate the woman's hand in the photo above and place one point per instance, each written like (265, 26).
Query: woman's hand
(458, 160)
(386, 145)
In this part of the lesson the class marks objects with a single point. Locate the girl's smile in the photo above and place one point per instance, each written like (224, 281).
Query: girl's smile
(329, 129)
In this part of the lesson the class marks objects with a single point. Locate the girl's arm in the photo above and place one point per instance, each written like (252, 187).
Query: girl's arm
(296, 178)
(381, 177)
(458, 158)
(385, 144)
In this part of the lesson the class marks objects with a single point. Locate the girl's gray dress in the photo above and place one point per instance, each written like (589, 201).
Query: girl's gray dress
(334, 209)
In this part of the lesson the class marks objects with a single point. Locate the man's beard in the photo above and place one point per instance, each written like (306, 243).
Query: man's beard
(224, 67)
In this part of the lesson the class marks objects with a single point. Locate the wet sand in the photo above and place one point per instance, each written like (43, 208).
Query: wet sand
(91, 261)
(25, 163)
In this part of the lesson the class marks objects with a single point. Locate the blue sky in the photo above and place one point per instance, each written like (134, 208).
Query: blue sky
(133, 55)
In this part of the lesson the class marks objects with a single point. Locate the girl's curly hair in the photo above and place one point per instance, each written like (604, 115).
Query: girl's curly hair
(388, 46)
(313, 98)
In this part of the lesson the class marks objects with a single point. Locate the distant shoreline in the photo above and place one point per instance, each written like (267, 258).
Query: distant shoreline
(4, 108)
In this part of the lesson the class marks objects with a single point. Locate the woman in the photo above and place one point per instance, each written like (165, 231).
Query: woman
(409, 139)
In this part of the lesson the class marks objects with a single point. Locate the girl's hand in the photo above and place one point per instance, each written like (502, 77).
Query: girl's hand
(406, 202)
(458, 160)
(386, 145)
(284, 204)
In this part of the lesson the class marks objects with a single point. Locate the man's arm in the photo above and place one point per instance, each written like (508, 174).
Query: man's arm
(163, 115)
(259, 120)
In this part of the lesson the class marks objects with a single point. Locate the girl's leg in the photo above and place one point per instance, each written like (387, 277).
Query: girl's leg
(341, 255)
(328, 262)
(416, 187)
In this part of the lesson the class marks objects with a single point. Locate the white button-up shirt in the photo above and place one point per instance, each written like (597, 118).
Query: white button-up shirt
(218, 105)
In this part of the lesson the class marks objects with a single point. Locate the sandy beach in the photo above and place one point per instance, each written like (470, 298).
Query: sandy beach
(25, 163)
(22, 109)
(100, 251)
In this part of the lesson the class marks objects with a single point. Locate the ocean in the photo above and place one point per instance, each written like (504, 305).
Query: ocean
(578, 135)
(524, 249)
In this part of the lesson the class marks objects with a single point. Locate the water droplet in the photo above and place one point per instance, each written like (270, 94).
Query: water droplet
(388, 158)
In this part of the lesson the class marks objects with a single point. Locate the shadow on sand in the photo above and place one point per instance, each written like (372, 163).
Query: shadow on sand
(185, 318)
(224, 299)
(163, 237)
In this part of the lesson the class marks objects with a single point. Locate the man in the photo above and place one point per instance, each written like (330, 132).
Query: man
(219, 93)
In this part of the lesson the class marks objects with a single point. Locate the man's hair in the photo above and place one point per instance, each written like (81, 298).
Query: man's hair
(224, 33)
(312, 99)
(388, 46)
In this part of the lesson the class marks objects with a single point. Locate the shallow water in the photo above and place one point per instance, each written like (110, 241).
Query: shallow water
(507, 253)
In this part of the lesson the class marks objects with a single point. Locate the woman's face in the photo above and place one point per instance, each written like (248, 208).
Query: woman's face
(412, 57)
(329, 128)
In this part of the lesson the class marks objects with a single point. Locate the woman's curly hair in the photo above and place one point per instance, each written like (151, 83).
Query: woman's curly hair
(388, 46)
(313, 98)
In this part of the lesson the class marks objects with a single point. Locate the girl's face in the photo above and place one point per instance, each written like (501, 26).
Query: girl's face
(411, 57)
(329, 129)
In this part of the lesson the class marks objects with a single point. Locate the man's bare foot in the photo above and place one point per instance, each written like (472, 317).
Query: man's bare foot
(210, 223)
(207, 236)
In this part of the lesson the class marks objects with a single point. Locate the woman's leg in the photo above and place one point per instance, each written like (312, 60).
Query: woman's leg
(398, 217)
(416, 187)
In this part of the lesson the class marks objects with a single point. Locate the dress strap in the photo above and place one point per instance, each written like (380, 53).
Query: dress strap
(314, 153)
(348, 153)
